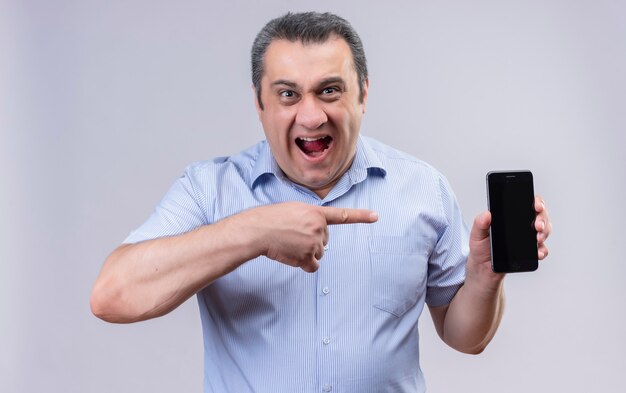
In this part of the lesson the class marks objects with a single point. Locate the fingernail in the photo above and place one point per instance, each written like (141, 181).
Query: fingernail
(373, 216)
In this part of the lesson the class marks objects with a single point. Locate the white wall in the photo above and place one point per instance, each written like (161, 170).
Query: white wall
(102, 104)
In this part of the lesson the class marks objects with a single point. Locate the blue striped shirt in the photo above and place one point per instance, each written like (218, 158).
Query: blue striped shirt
(352, 325)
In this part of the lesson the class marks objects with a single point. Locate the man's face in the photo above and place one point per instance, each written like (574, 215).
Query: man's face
(312, 112)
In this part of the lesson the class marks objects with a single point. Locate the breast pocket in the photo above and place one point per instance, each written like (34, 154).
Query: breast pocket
(398, 273)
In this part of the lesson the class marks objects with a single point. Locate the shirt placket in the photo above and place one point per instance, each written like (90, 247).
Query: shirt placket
(327, 361)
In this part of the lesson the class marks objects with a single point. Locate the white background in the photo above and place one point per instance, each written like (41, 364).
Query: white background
(102, 105)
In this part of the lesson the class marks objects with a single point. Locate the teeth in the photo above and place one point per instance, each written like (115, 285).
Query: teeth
(311, 139)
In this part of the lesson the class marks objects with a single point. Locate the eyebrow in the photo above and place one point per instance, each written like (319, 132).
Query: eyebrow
(332, 80)
(285, 82)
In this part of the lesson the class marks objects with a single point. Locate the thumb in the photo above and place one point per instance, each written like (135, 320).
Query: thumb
(480, 229)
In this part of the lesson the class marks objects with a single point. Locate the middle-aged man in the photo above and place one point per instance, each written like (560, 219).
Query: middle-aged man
(290, 301)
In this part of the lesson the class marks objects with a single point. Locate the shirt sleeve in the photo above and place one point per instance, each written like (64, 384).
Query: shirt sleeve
(182, 209)
(446, 266)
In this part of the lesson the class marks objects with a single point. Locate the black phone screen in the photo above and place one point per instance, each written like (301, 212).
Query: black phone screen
(512, 233)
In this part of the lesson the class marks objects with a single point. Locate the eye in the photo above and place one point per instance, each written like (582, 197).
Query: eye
(331, 93)
(287, 97)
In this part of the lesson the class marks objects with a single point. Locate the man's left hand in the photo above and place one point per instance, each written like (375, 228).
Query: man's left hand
(479, 261)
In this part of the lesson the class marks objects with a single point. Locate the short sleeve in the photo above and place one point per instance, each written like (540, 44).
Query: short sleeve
(183, 208)
(446, 266)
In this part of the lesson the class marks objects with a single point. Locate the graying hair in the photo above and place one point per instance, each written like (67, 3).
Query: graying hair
(307, 27)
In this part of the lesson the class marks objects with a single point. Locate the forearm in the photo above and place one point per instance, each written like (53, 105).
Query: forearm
(149, 279)
(473, 316)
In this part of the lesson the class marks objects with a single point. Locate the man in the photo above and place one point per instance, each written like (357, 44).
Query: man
(292, 298)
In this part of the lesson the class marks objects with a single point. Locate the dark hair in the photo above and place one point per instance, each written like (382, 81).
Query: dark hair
(307, 27)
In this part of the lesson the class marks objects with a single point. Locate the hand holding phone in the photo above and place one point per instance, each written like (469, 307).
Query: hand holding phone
(512, 233)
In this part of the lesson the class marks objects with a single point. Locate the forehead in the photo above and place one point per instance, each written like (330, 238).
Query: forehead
(297, 61)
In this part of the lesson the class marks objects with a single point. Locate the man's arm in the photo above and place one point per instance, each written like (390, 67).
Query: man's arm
(470, 321)
(151, 278)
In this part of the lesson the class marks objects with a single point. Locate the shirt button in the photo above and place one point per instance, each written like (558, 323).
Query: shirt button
(326, 290)
(327, 388)
(326, 340)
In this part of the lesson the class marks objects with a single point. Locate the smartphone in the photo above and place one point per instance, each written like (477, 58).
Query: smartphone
(511, 199)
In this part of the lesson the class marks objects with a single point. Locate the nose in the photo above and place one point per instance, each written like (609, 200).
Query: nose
(310, 114)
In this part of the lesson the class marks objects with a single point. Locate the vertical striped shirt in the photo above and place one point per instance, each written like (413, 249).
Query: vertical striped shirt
(352, 326)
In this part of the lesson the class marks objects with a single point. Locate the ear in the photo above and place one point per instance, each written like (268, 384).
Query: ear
(366, 86)
(257, 104)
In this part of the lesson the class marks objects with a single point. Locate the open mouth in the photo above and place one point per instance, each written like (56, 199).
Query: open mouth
(314, 146)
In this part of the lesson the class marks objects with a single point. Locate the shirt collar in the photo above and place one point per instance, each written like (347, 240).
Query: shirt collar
(364, 160)
(265, 164)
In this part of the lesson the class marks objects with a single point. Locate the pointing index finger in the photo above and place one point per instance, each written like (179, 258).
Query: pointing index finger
(335, 215)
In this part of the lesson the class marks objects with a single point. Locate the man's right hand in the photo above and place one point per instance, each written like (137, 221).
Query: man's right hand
(295, 233)
(151, 278)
